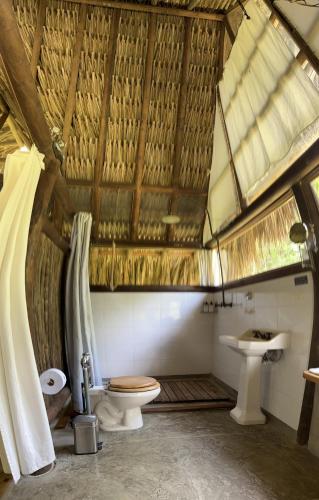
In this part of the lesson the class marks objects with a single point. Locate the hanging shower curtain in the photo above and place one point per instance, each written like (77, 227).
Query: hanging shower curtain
(80, 336)
(26, 443)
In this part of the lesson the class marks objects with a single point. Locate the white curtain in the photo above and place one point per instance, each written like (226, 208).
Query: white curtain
(80, 336)
(271, 106)
(25, 433)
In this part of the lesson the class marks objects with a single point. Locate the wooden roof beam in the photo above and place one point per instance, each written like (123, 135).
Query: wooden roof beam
(229, 30)
(240, 199)
(38, 34)
(20, 76)
(152, 9)
(141, 143)
(105, 113)
(71, 98)
(180, 120)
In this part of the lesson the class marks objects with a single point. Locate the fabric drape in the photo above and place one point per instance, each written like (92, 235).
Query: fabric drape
(271, 106)
(80, 335)
(26, 443)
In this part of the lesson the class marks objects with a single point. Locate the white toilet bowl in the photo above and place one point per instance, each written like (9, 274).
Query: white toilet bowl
(119, 408)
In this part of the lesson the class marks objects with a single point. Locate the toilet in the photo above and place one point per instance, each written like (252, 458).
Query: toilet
(118, 406)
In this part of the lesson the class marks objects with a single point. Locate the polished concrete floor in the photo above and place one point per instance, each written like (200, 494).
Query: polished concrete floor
(200, 455)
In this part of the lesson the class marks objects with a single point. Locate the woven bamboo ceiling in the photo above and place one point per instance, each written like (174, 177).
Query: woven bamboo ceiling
(133, 95)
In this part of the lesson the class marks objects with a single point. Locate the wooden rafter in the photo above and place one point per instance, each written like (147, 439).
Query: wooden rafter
(151, 9)
(105, 113)
(141, 144)
(278, 17)
(229, 30)
(180, 120)
(38, 34)
(70, 102)
(3, 117)
(240, 199)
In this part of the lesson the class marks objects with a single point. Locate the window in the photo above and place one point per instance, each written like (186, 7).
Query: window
(262, 247)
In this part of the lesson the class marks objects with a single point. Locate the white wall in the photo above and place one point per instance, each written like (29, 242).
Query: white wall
(152, 333)
(278, 305)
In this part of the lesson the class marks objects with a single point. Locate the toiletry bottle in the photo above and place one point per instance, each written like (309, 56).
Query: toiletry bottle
(205, 307)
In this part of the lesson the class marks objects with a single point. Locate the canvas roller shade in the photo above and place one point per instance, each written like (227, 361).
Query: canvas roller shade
(270, 105)
(222, 204)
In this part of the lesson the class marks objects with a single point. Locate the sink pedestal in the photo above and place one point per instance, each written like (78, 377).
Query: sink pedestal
(247, 410)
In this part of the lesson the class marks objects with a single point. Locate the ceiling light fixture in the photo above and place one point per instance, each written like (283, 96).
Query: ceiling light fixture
(171, 219)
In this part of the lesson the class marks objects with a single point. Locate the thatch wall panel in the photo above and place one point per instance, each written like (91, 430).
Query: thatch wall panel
(143, 267)
(47, 336)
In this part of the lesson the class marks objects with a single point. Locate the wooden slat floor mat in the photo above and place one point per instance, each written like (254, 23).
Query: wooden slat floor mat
(189, 393)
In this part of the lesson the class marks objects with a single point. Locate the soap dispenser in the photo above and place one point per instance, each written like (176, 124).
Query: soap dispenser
(211, 307)
(206, 307)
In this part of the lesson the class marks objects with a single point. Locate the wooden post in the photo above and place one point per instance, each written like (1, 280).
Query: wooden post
(70, 102)
(143, 126)
(180, 119)
(308, 210)
(105, 113)
(38, 34)
(240, 199)
(229, 30)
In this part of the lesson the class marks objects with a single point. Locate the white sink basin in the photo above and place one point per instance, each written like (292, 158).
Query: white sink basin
(252, 345)
(251, 342)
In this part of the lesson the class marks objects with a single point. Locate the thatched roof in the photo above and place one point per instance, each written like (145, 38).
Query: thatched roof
(133, 95)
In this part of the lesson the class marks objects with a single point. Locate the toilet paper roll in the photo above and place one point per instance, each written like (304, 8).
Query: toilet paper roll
(52, 381)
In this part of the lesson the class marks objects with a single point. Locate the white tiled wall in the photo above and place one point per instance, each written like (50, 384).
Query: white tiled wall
(278, 305)
(152, 333)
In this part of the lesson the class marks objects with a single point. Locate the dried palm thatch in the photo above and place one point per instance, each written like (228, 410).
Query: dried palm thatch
(266, 241)
(199, 114)
(26, 11)
(165, 87)
(126, 98)
(153, 208)
(47, 337)
(115, 215)
(144, 267)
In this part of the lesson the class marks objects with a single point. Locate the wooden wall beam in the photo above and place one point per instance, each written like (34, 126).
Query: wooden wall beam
(38, 34)
(141, 143)
(180, 120)
(147, 244)
(308, 210)
(240, 199)
(70, 102)
(277, 16)
(105, 114)
(151, 9)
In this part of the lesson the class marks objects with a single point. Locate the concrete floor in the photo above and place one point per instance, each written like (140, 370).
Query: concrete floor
(182, 456)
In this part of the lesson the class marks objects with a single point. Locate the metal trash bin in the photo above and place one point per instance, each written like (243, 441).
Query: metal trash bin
(86, 434)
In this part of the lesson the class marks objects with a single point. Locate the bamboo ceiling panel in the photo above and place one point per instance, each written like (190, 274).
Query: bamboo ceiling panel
(133, 95)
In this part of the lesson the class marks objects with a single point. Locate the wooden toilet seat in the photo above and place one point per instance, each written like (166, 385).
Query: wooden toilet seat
(133, 384)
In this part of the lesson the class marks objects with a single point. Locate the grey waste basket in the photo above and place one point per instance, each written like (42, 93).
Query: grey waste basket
(86, 434)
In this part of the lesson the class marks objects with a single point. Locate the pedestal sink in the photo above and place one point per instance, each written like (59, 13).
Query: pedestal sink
(252, 345)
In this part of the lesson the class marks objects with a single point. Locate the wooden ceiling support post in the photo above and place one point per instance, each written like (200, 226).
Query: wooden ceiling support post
(141, 143)
(229, 30)
(49, 229)
(308, 210)
(71, 98)
(38, 34)
(151, 9)
(105, 114)
(180, 120)
(240, 199)
(304, 48)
